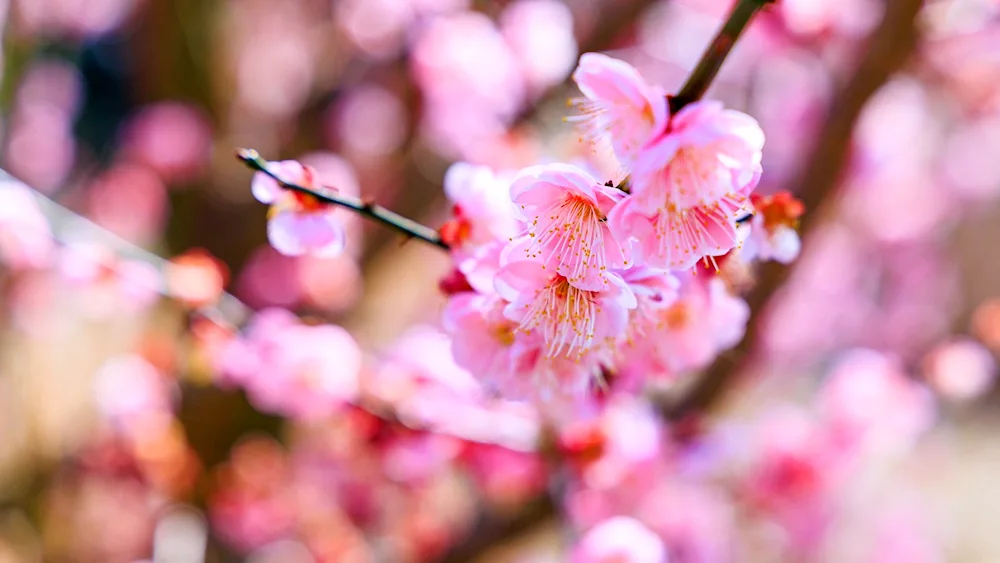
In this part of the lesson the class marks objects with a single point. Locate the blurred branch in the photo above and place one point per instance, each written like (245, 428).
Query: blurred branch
(711, 61)
(393, 220)
(889, 47)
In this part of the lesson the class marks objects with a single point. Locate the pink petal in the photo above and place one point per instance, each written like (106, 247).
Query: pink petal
(294, 233)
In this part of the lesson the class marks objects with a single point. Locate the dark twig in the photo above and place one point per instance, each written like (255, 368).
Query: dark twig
(393, 220)
(889, 46)
(711, 61)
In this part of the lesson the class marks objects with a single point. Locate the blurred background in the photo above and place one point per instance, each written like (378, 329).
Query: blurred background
(121, 441)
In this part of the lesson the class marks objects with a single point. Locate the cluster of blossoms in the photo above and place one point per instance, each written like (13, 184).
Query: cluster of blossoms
(571, 278)
(561, 279)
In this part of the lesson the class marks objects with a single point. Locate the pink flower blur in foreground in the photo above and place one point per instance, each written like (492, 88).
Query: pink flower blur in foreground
(618, 105)
(620, 540)
(690, 187)
(961, 369)
(565, 211)
(25, 237)
(294, 369)
(568, 320)
(298, 223)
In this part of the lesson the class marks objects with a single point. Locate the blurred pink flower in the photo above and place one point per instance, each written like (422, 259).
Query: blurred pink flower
(618, 105)
(505, 476)
(305, 371)
(173, 139)
(482, 339)
(129, 200)
(704, 320)
(252, 504)
(540, 33)
(569, 320)
(298, 223)
(960, 369)
(691, 185)
(471, 82)
(565, 211)
(620, 540)
(868, 402)
(134, 396)
(25, 237)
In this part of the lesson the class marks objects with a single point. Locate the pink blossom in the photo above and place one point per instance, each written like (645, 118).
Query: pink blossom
(691, 185)
(773, 234)
(569, 320)
(482, 337)
(172, 138)
(620, 540)
(134, 396)
(704, 320)
(540, 33)
(482, 207)
(565, 210)
(867, 401)
(960, 369)
(298, 223)
(25, 236)
(307, 372)
(619, 105)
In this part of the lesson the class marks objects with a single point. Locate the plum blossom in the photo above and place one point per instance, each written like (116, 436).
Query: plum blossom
(620, 539)
(484, 221)
(569, 320)
(704, 320)
(618, 105)
(773, 234)
(690, 186)
(565, 211)
(482, 206)
(960, 369)
(291, 368)
(482, 337)
(868, 401)
(298, 223)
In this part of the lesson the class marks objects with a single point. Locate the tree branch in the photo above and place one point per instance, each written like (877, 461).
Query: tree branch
(889, 46)
(711, 61)
(375, 212)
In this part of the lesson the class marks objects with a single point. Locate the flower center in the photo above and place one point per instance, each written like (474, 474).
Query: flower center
(566, 317)
(504, 334)
(677, 316)
(571, 232)
(307, 202)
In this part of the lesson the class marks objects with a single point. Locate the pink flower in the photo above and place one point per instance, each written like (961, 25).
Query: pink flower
(481, 200)
(867, 401)
(310, 372)
(960, 369)
(691, 185)
(704, 320)
(619, 104)
(565, 210)
(620, 539)
(134, 396)
(298, 223)
(482, 337)
(773, 234)
(569, 320)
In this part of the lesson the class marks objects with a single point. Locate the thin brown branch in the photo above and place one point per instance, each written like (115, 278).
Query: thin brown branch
(888, 49)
